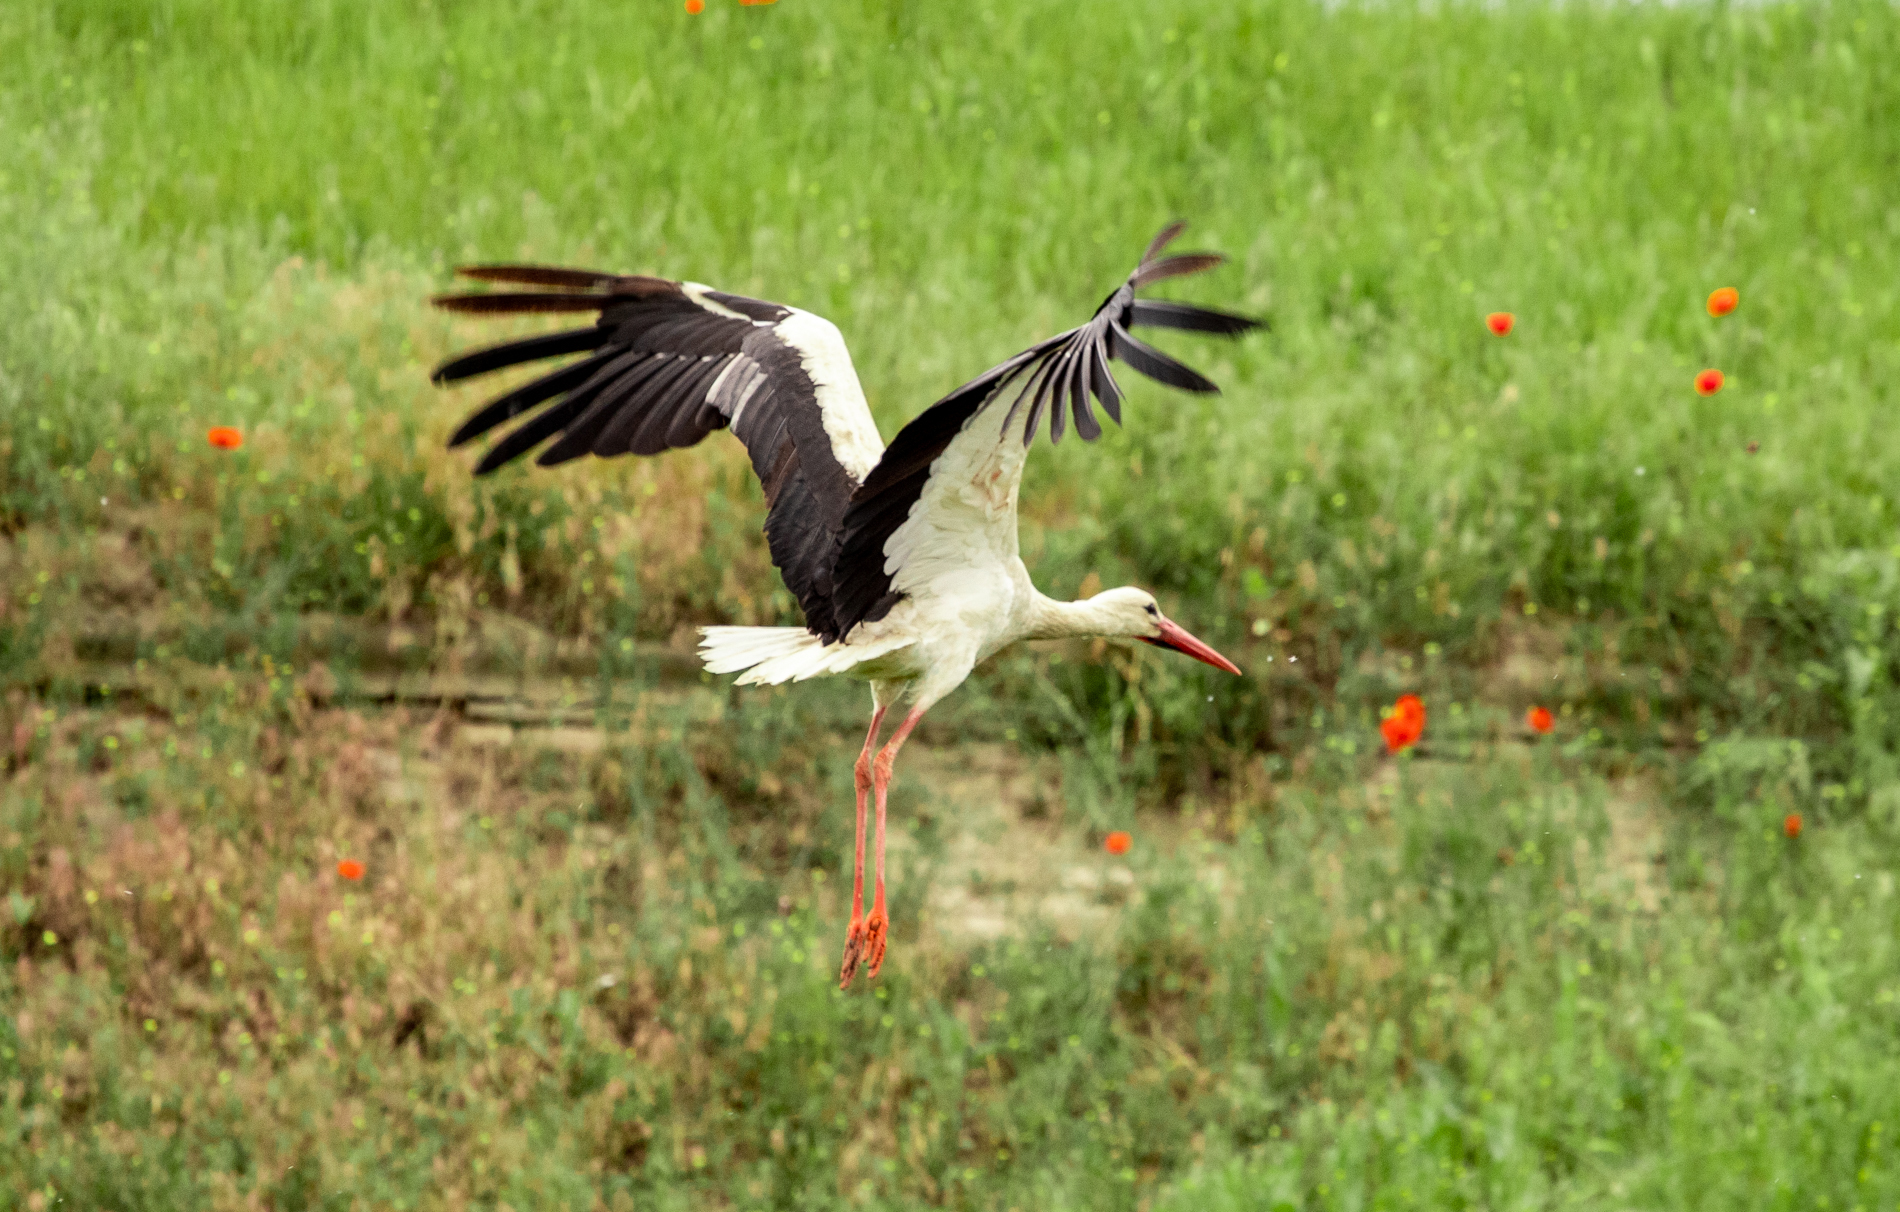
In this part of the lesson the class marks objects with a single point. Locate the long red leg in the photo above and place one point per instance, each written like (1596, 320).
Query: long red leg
(877, 926)
(854, 933)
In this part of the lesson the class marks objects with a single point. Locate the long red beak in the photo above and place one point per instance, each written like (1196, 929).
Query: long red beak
(1175, 637)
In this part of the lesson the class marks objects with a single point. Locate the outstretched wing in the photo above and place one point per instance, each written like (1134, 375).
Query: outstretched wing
(956, 437)
(665, 364)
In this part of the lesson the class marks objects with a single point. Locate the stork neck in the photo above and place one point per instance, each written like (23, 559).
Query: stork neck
(1050, 619)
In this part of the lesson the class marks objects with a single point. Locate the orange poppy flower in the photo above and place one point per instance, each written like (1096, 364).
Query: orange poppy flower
(1399, 734)
(1540, 720)
(1402, 727)
(224, 437)
(1709, 382)
(1791, 824)
(1117, 842)
(1500, 322)
(350, 870)
(1724, 301)
(695, 6)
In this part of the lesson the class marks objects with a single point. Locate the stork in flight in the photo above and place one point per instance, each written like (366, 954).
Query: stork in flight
(904, 559)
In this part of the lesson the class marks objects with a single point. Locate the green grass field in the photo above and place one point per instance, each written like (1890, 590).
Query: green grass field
(593, 964)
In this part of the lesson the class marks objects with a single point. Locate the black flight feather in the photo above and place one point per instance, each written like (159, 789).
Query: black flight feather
(522, 398)
(513, 353)
(1086, 426)
(1173, 267)
(684, 389)
(1162, 239)
(644, 408)
(1052, 387)
(1107, 390)
(628, 372)
(1038, 379)
(503, 304)
(617, 411)
(1155, 364)
(528, 435)
(1161, 313)
(538, 275)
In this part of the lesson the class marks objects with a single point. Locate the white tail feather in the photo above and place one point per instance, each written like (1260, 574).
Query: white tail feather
(772, 655)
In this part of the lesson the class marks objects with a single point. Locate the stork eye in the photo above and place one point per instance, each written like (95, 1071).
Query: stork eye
(1153, 610)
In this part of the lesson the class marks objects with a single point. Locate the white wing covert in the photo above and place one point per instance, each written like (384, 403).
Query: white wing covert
(949, 479)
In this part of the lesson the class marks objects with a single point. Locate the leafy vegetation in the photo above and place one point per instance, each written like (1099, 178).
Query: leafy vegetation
(1588, 970)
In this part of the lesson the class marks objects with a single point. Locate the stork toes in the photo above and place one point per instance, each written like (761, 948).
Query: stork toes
(876, 930)
(854, 952)
(864, 943)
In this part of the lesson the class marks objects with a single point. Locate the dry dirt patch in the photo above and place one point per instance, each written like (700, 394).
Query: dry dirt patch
(1003, 865)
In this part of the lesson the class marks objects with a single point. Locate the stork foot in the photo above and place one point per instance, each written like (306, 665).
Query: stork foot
(854, 951)
(876, 929)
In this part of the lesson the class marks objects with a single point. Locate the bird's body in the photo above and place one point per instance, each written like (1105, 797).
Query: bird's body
(903, 559)
(967, 593)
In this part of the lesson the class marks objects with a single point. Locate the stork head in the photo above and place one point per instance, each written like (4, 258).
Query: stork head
(1133, 613)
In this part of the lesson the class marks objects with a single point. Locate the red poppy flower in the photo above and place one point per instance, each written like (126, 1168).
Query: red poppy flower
(1117, 842)
(695, 6)
(350, 870)
(1709, 382)
(1399, 733)
(1791, 824)
(224, 437)
(1540, 720)
(1724, 301)
(1402, 727)
(1500, 322)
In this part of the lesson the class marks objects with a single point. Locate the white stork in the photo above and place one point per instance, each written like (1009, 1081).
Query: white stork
(904, 559)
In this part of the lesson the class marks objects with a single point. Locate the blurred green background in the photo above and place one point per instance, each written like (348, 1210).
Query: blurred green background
(591, 963)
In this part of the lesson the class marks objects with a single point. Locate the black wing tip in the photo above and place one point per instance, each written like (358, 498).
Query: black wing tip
(446, 373)
(501, 303)
(477, 362)
(532, 274)
(1190, 317)
(1231, 323)
(1180, 265)
(554, 289)
(1162, 239)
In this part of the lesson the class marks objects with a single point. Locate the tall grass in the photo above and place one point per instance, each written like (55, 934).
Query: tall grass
(608, 982)
(1455, 988)
(234, 213)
